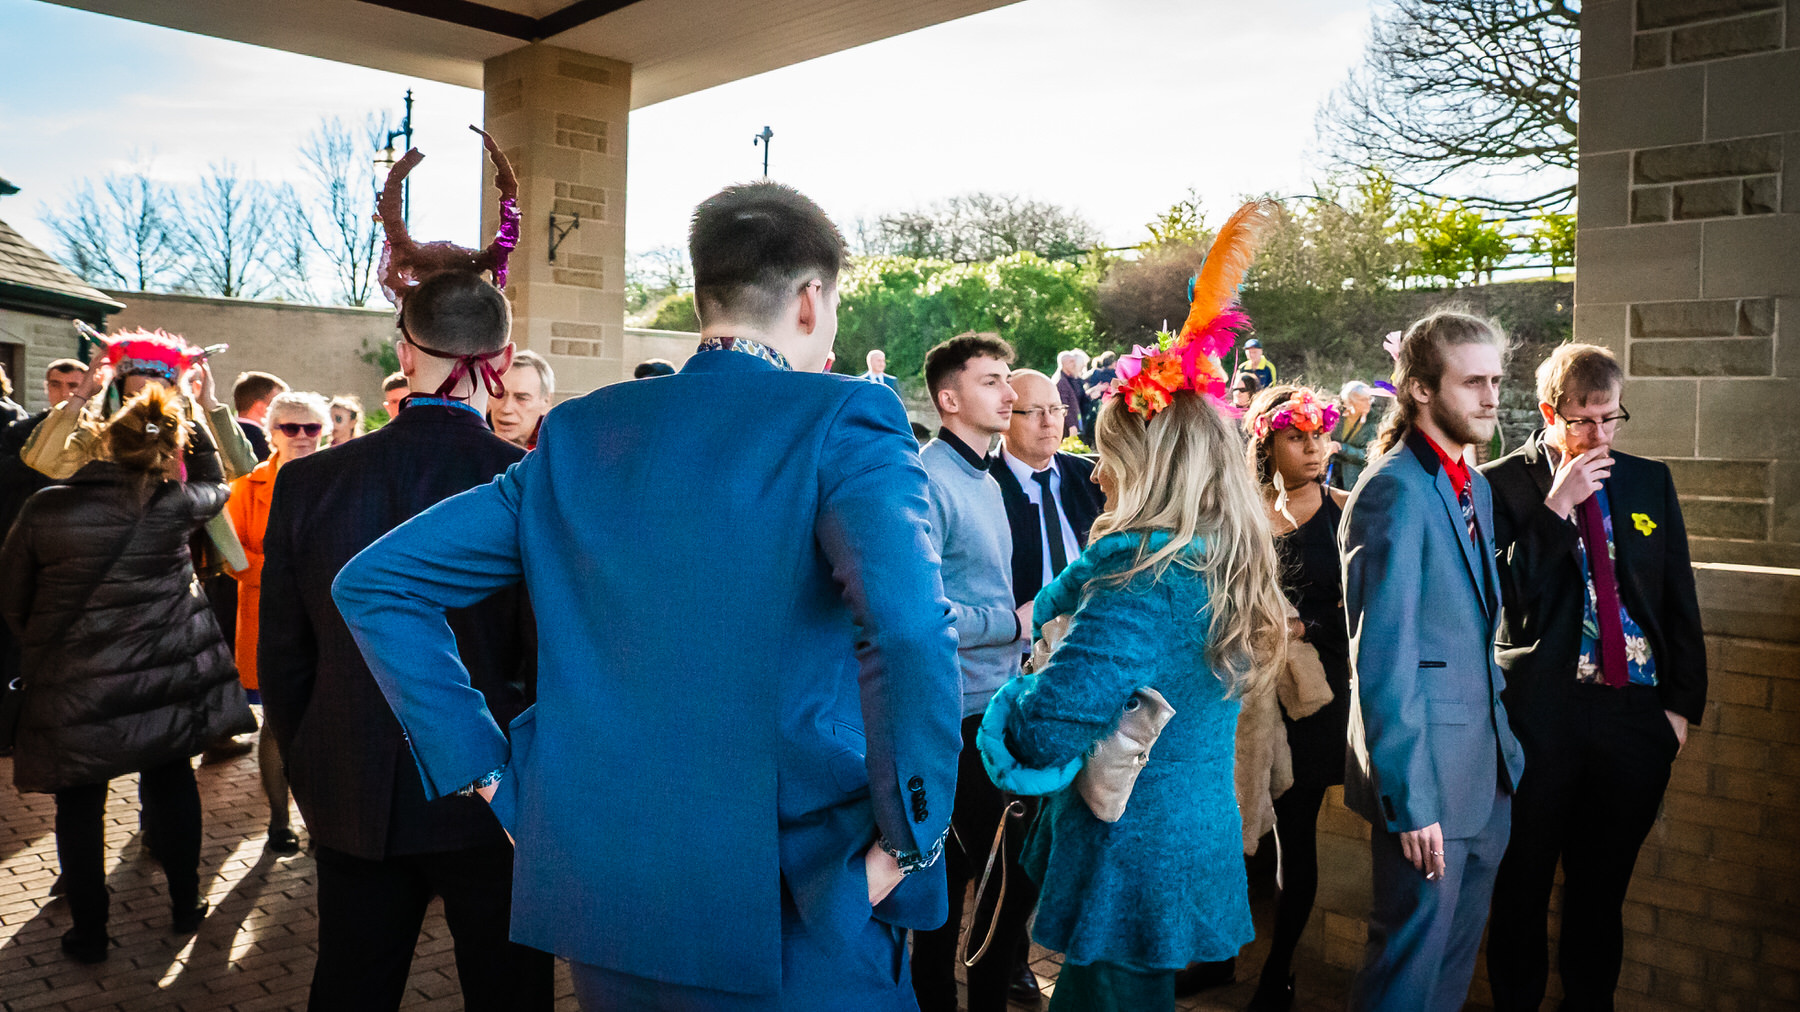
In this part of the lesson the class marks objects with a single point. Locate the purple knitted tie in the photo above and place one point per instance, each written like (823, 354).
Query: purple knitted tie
(1606, 593)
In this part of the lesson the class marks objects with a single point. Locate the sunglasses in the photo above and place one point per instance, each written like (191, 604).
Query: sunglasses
(292, 429)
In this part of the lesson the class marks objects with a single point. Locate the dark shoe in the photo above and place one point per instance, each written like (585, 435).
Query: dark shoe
(1024, 987)
(225, 749)
(1272, 997)
(1199, 977)
(57, 888)
(86, 948)
(283, 841)
(187, 922)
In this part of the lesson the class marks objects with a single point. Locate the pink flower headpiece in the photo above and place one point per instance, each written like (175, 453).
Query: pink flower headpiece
(1305, 411)
(1149, 378)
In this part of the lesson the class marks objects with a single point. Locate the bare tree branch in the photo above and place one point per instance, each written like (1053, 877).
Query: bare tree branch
(1447, 88)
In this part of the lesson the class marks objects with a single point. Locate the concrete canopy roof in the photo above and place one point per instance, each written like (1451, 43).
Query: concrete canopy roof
(674, 46)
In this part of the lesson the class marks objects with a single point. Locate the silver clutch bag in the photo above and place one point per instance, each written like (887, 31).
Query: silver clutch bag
(1114, 762)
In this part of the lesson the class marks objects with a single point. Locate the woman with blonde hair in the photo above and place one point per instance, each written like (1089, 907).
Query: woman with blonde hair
(1178, 591)
(297, 422)
(126, 670)
(346, 419)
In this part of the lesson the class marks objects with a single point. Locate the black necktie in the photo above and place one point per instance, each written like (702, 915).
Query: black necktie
(1053, 528)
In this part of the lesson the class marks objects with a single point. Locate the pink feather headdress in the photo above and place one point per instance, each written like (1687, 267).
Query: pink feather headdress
(1149, 378)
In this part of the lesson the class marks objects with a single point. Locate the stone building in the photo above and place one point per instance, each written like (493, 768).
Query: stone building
(38, 298)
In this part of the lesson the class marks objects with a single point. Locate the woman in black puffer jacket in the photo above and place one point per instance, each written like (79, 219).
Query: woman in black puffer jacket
(125, 668)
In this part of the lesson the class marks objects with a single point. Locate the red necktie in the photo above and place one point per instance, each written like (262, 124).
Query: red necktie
(1613, 671)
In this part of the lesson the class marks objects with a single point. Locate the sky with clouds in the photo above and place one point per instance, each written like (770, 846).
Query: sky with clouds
(1115, 108)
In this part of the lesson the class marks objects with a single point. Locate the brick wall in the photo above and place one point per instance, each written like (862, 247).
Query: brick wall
(1688, 255)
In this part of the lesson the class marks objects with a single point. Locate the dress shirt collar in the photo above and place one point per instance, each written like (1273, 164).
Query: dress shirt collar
(1453, 466)
(1023, 471)
(963, 450)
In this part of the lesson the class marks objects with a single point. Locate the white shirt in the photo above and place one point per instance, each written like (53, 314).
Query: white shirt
(1034, 492)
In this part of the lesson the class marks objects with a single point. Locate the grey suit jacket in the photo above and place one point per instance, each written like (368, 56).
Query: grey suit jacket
(1429, 740)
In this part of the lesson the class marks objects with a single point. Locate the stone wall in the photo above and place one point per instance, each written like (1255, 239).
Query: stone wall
(561, 116)
(311, 347)
(1689, 252)
(39, 340)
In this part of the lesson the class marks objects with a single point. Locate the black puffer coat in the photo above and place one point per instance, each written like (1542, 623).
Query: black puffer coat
(125, 667)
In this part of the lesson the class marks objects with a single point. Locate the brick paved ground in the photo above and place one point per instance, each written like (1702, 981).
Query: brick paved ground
(255, 951)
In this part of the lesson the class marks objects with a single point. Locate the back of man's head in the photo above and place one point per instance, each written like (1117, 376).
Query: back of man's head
(945, 361)
(253, 388)
(457, 313)
(653, 367)
(752, 247)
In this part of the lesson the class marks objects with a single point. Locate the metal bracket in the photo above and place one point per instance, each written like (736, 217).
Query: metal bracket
(558, 235)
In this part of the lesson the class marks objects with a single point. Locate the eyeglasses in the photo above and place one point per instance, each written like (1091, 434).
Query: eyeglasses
(1579, 425)
(292, 429)
(1035, 415)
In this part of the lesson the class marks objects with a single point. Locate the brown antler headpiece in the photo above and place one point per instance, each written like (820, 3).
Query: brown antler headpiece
(404, 263)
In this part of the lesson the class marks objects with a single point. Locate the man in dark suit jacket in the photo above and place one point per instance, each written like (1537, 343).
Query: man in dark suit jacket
(1432, 763)
(1029, 463)
(734, 790)
(384, 849)
(1605, 669)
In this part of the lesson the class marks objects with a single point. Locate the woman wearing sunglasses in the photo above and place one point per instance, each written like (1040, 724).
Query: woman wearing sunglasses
(297, 422)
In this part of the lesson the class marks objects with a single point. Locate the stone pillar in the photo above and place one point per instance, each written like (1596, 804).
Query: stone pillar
(560, 116)
(1688, 255)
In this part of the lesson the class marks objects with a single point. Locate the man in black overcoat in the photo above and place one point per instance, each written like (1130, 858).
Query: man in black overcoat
(383, 850)
(1605, 670)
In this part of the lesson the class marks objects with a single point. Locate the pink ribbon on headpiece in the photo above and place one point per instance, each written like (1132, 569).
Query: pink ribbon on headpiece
(478, 367)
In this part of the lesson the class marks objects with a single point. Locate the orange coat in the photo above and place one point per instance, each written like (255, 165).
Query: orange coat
(249, 512)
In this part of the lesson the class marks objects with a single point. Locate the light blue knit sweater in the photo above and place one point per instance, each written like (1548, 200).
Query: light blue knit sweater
(971, 535)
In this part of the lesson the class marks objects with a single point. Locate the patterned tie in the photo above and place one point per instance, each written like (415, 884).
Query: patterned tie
(1053, 528)
(1613, 671)
(1467, 502)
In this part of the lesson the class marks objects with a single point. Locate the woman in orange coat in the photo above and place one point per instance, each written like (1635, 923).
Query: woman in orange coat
(296, 422)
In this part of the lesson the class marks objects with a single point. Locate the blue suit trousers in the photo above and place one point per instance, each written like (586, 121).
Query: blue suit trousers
(872, 976)
(1424, 935)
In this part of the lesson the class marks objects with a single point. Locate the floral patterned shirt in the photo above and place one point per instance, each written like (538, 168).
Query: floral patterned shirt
(1639, 663)
(746, 346)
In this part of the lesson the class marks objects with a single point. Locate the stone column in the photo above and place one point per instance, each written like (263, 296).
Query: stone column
(560, 115)
(1688, 255)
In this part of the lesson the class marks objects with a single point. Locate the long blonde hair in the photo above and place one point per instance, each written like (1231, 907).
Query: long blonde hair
(1183, 473)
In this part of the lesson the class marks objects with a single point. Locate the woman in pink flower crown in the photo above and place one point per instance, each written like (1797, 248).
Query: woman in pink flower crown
(1290, 444)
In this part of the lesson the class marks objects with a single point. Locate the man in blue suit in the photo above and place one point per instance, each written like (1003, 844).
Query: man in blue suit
(734, 791)
(1432, 763)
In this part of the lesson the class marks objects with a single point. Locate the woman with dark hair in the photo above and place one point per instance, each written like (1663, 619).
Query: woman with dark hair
(125, 668)
(1290, 443)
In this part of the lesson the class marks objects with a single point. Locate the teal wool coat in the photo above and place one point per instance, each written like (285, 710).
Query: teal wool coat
(1165, 884)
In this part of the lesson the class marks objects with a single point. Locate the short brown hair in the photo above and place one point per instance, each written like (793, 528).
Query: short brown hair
(752, 245)
(64, 365)
(395, 382)
(252, 388)
(1578, 371)
(456, 313)
(950, 357)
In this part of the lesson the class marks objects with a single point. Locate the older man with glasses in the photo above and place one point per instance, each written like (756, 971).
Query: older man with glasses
(1605, 670)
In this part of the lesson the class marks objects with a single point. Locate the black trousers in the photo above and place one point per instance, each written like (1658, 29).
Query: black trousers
(979, 807)
(370, 913)
(1591, 790)
(171, 822)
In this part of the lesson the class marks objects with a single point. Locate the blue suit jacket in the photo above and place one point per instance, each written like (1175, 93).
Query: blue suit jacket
(746, 667)
(1429, 740)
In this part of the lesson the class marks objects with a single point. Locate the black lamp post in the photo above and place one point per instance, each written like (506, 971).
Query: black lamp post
(763, 139)
(385, 159)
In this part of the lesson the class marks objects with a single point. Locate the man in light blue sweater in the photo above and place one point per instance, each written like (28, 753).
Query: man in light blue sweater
(967, 377)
